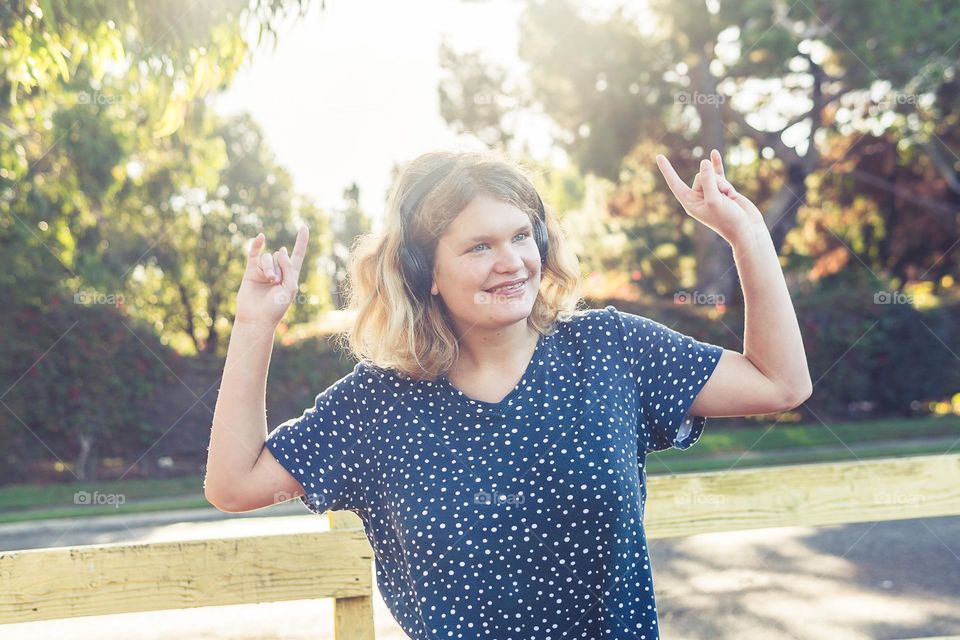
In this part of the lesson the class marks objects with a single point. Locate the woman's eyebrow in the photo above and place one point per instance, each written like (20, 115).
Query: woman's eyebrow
(523, 227)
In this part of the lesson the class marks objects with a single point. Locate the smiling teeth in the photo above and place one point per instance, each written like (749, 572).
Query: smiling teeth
(514, 287)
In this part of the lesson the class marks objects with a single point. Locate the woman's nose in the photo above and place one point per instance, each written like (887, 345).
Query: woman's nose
(510, 259)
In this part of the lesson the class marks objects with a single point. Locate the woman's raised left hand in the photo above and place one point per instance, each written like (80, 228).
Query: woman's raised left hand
(712, 199)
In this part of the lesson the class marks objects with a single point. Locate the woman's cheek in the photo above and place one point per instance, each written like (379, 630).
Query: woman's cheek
(477, 271)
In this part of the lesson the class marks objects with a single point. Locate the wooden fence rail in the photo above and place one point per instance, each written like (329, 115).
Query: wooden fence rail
(67, 582)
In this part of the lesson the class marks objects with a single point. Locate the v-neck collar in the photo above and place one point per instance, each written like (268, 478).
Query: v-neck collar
(536, 361)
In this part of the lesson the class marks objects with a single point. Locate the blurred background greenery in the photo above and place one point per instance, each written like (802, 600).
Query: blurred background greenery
(127, 199)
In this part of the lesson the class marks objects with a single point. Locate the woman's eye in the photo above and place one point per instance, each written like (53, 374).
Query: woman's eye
(483, 244)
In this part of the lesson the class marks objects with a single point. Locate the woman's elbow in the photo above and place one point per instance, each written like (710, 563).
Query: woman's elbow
(798, 394)
(219, 500)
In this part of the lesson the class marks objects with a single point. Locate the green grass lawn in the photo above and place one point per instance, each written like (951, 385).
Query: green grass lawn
(667, 462)
(783, 436)
(721, 449)
(33, 495)
(717, 450)
(34, 501)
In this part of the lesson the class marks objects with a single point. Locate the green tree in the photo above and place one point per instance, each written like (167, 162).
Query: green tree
(346, 224)
(778, 78)
(110, 166)
(187, 224)
(82, 87)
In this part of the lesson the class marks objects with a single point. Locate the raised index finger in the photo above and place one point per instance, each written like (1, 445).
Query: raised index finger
(717, 160)
(677, 186)
(300, 247)
(254, 254)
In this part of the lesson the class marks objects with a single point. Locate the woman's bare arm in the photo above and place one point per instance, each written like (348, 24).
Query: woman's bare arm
(239, 419)
(771, 374)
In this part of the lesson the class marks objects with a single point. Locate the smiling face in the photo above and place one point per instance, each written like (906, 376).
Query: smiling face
(488, 244)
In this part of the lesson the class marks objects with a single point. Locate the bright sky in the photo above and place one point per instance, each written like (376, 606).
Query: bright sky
(352, 89)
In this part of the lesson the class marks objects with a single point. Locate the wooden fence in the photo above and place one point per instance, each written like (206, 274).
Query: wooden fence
(67, 582)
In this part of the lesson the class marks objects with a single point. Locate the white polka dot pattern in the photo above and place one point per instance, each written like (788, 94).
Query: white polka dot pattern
(521, 518)
(670, 369)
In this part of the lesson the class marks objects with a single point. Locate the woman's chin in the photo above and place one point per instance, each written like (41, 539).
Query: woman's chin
(510, 310)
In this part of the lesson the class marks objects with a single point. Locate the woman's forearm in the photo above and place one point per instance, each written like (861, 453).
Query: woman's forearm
(772, 340)
(239, 418)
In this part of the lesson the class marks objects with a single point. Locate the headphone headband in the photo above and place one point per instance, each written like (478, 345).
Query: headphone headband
(423, 186)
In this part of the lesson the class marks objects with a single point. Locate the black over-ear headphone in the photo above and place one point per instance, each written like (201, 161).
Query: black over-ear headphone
(414, 263)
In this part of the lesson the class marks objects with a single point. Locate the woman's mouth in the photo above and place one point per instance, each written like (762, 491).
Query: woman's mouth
(510, 290)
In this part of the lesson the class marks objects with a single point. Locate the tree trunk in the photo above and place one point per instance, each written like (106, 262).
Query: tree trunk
(188, 314)
(85, 462)
(213, 336)
(783, 208)
(716, 272)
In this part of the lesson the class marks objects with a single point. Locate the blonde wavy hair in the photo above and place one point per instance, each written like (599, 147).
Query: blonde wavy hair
(395, 330)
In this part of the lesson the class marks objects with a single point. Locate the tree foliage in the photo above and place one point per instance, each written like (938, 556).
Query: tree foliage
(768, 83)
(125, 203)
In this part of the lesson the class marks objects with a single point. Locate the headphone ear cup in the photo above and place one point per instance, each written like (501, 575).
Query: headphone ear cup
(415, 269)
(541, 237)
(408, 264)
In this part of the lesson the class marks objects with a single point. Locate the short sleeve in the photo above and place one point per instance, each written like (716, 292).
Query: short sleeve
(321, 448)
(669, 369)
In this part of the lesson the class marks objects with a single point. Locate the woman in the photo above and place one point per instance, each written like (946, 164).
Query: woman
(492, 436)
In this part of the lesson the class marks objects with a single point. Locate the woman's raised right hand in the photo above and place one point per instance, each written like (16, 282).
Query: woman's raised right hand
(270, 281)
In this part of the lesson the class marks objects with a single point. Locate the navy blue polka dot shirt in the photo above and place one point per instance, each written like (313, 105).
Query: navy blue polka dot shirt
(516, 519)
